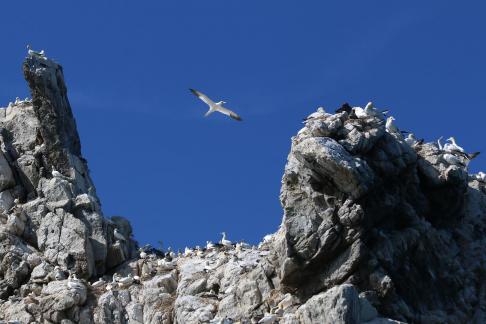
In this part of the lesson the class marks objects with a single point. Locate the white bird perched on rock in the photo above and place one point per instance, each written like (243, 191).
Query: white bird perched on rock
(363, 113)
(125, 281)
(199, 251)
(481, 176)
(321, 112)
(241, 246)
(74, 283)
(224, 241)
(166, 265)
(118, 235)
(268, 319)
(59, 273)
(439, 144)
(452, 147)
(215, 106)
(143, 254)
(452, 159)
(368, 111)
(17, 100)
(210, 245)
(187, 251)
(390, 127)
(34, 53)
(111, 285)
(412, 141)
(57, 174)
(98, 283)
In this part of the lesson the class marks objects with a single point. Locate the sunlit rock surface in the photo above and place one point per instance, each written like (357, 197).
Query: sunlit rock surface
(375, 230)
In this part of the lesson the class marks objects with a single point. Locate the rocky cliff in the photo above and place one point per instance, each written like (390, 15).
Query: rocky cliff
(375, 230)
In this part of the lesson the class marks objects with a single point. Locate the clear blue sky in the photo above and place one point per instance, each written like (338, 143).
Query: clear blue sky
(182, 178)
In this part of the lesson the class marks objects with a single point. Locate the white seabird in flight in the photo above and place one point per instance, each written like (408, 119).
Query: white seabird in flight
(215, 106)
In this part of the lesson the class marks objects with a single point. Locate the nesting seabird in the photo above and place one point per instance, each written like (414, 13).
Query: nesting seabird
(187, 251)
(412, 141)
(453, 148)
(224, 241)
(210, 245)
(215, 106)
(363, 113)
(118, 235)
(268, 319)
(439, 144)
(390, 127)
(34, 53)
(59, 274)
(452, 159)
(166, 265)
(481, 176)
(143, 254)
(74, 283)
(368, 111)
(317, 114)
(126, 281)
(241, 246)
(98, 283)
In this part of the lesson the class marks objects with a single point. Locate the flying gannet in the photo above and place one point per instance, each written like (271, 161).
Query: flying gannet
(215, 106)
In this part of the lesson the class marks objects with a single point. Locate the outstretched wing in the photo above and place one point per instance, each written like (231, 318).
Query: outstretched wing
(203, 97)
(228, 112)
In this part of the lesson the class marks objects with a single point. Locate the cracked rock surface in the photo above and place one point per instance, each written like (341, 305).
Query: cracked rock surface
(375, 230)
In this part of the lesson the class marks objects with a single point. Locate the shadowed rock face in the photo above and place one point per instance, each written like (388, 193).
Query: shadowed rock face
(374, 231)
(399, 223)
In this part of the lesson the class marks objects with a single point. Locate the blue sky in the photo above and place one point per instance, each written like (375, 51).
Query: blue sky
(182, 178)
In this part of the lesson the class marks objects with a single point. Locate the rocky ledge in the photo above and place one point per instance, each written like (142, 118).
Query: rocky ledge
(376, 229)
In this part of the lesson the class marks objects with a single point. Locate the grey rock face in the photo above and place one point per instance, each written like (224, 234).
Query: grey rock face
(374, 231)
(364, 207)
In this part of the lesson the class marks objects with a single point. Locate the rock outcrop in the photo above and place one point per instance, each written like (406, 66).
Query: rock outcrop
(375, 230)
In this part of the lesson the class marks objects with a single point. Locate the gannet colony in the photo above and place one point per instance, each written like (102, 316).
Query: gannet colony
(378, 227)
